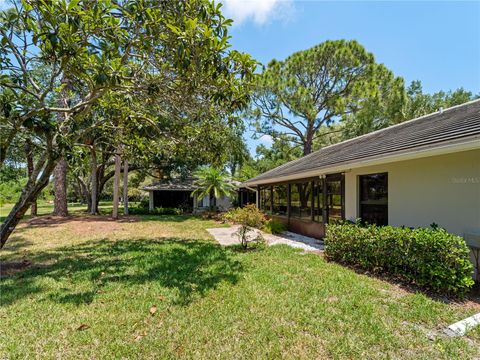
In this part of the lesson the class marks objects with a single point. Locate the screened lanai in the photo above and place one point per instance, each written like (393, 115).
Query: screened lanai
(305, 205)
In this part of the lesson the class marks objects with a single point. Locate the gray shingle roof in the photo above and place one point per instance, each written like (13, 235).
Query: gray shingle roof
(173, 184)
(178, 184)
(429, 131)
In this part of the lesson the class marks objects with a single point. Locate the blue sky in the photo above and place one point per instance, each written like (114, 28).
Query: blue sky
(435, 42)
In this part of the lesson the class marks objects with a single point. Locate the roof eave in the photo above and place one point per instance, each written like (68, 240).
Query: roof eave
(452, 146)
(166, 189)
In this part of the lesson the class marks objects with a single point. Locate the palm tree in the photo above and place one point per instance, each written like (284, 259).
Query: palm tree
(213, 183)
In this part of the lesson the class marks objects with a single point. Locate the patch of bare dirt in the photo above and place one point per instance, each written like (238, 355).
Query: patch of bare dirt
(81, 225)
(94, 227)
(48, 220)
(8, 268)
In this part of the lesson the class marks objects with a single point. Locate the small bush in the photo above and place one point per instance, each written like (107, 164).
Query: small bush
(155, 211)
(430, 258)
(212, 215)
(144, 203)
(249, 217)
(273, 226)
(229, 215)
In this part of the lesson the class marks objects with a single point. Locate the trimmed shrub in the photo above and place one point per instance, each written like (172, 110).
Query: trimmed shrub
(430, 258)
(155, 211)
(273, 226)
(248, 217)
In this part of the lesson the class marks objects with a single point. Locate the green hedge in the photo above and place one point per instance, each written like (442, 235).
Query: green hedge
(155, 211)
(431, 258)
(273, 226)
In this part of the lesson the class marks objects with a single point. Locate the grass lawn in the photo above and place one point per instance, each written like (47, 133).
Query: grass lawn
(46, 208)
(159, 287)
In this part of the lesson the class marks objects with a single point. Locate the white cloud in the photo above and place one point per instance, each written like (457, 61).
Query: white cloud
(266, 139)
(259, 11)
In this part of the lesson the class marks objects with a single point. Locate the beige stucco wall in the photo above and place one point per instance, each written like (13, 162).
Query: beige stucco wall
(444, 189)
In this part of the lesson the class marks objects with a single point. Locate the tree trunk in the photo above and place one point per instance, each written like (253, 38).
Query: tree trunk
(308, 143)
(116, 184)
(29, 194)
(94, 182)
(89, 204)
(82, 192)
(29, 156)
(125, 187)
(103, 178)
(60, 207)
(213, 201)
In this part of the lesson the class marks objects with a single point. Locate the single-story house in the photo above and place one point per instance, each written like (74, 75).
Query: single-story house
(416, 173)
(177, 193)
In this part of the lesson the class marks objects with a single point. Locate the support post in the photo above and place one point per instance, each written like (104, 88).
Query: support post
(342, 187)
(325, 201)
(150, 200)
(116, 183)
(271, 200)
(289, 201)
(125, 187)
(312, 199)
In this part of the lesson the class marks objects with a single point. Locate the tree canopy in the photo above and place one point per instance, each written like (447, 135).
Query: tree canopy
(320, 85)
(157, 67)
(414, 103)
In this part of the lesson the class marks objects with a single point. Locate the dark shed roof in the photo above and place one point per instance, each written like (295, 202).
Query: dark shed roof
(177, 184)
(454, 124)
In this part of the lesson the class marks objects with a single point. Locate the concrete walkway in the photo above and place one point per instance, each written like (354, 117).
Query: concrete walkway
(226, 236)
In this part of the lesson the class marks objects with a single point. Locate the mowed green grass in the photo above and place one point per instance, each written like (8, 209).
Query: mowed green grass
(46, 208)
(208, 302)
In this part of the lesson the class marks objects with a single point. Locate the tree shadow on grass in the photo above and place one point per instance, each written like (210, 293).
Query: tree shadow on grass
(190, 267)
(48, 220)
(17, 243)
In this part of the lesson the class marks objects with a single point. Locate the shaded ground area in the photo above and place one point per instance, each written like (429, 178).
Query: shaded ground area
(46, 208)
(227, 236)
(8, 268)
(80, 225)
(160, 287)
(188, 266)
